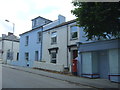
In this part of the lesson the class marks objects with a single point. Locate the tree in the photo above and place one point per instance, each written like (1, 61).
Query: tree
(98, 19)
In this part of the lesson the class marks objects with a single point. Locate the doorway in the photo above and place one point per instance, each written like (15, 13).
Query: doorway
(74, 54)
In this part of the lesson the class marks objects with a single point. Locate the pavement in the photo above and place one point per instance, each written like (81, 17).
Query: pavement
(94, 83)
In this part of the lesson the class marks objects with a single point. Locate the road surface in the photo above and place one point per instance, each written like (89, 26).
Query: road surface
(12, 78)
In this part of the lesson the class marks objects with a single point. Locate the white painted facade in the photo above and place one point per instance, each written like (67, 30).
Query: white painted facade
(6, 45)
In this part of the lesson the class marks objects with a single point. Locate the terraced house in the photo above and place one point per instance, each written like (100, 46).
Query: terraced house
(9, 49)
(60, 46)
(51, 45)
(31, 42)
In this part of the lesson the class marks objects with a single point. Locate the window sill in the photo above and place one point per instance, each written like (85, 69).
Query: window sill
(26, 45)
(42, 61)
(38, 42)
(53, 63)
(53, 43)
(73, 39)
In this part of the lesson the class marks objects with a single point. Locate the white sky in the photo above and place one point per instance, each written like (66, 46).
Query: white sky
(21, 12)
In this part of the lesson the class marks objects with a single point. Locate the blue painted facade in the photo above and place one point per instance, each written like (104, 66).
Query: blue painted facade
(33, 45)
(39, 24)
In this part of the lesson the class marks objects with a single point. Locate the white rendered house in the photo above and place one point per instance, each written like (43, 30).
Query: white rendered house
(9, 48)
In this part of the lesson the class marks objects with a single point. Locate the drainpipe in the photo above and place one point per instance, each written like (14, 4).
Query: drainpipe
(3, 51)
(67, 47)
(79, 57)
(41, 46)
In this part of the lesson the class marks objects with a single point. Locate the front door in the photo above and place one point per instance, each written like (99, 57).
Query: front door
(103, 64)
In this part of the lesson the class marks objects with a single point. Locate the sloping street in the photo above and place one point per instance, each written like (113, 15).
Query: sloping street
(19, 79)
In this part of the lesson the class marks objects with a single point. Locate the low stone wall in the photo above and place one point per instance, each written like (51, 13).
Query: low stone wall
(49, 66)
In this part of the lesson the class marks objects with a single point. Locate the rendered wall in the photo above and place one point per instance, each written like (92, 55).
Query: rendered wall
(114, 63)
(49, 66)
(61, 44)
(6, 46)
(87, 63)
(32, 46)
(94, 62)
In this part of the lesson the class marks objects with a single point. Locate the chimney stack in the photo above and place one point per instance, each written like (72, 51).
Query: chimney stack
(3, 36)
(9, 33)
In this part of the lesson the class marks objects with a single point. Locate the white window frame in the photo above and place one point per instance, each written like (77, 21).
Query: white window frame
(72, 31)
(54, 37)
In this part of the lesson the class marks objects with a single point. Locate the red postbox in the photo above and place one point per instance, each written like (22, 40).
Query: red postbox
(74, 67)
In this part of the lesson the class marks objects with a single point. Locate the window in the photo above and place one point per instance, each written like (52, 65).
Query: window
(53, 57)
(9, 55)
(39, 36)
(54, 38)
(27, 40)
(36, 55)
(17, 56)
(34, 23)
(26, 56)
(74, 32)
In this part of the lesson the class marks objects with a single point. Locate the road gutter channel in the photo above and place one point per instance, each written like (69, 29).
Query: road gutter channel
(76, 83)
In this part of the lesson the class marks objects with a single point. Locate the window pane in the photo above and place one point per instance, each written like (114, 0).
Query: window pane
(74, 29)
(27, 56)
(17, 56)
(36, 55)
(74, 32)
(54, 34)
(74, 35)
(53, 37)
(27, 40)
(53, 57)
(39, 36)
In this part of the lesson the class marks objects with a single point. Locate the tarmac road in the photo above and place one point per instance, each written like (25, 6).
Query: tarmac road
(12, 78)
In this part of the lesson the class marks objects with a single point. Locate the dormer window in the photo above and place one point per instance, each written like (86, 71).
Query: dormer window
(34, 23)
